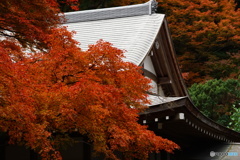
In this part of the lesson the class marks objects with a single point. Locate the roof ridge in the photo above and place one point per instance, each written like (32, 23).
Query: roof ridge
(113, 12)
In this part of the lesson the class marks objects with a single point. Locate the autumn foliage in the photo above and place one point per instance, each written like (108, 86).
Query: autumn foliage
(28, 21)
(204, 32)
(95, 4)
(49, 87)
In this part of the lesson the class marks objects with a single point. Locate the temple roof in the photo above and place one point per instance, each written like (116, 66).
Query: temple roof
(111, 13)
(131, 28)
(157, 100)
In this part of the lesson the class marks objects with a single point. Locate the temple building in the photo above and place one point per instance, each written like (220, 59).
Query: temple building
(145, 36)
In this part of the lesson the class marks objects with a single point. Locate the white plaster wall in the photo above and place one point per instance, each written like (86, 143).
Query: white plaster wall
(154, 88)
(160, 91)
(148, 65)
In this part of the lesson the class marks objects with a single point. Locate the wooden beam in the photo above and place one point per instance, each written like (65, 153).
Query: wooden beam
(164, 80)
(149, 75)
(160, 125)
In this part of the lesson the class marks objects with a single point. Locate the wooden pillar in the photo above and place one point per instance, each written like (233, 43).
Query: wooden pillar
(2, 150)
(87, 149)
(3, 143)
(33, 155)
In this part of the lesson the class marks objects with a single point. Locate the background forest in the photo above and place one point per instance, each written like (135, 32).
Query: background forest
(206, 36)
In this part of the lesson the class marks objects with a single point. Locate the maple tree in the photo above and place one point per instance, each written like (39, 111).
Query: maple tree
(49, 87)
(202, 31)
(19, 17)
(68, 5)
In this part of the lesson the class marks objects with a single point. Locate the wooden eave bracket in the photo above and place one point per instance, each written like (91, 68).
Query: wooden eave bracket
(164, 80)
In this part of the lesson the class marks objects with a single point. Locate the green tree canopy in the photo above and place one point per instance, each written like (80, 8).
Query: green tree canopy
(215, 98)
(235, 118)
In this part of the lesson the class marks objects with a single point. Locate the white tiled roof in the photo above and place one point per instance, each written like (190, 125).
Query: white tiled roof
(134, 34)
(130, 28)
(114, 12)
(157, 100)
(107, 13)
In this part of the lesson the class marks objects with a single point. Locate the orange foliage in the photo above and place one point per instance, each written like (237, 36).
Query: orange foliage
(203, 23)
(94, 4)
(61, 89)
(203, 31)
(28, 21)
(68, 5)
